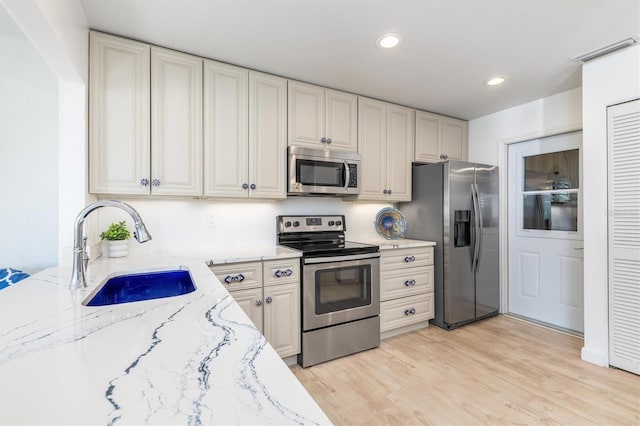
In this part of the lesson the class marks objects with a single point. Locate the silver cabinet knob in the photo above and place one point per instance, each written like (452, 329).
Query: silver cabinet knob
(268, 299)
(384, 191)
(389, 191)
(410, 259)
(410, 283)
(144, 182)
(258, 302)
(210, 262)
(329, 140)
(234, 278)
(155, 182)
(323, 140)
(286, 273)
(410, 311)
(245, 186)
(252, 186)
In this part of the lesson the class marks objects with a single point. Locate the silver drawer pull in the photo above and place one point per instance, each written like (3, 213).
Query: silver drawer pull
(234, 278)
(410, 283)
(286, 273)
(410, 259)
(410, 311)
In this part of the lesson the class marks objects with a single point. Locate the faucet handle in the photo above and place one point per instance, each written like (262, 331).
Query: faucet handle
(85, 255)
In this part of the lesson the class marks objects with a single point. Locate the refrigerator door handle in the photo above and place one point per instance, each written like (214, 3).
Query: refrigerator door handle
(480, 229)
(476, 222)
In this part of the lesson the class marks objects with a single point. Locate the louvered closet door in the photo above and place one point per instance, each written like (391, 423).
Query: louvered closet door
(624, 235)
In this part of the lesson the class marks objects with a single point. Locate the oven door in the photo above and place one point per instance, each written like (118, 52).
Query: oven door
(340, 289)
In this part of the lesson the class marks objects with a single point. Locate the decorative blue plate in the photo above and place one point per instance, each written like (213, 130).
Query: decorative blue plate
(390, 223)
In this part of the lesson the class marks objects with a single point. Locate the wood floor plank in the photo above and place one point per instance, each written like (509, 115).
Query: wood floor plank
(497, 371)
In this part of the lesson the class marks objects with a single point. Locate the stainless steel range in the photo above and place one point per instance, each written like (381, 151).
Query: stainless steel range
(340, 287)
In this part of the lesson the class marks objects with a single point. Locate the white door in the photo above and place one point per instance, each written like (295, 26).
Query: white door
(545, 231)
(624, 235)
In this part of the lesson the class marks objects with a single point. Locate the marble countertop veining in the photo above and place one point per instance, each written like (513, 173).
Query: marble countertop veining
(190, 359)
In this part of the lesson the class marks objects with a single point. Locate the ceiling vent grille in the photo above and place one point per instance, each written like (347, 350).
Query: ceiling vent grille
(605, 50)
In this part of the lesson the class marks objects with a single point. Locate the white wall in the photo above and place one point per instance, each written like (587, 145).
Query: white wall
(28, 154)
(606, 81)
(58, 30)
(532, 120)
(183, 224)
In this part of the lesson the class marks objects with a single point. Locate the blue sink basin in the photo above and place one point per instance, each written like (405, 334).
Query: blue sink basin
(142, 286)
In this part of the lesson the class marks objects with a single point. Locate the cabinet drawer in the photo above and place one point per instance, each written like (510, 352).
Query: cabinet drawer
(239, 275)
(406, 258)
(395, 284)
(281, 271)
(408, 310)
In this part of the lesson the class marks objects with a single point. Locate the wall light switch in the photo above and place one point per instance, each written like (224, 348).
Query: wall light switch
(211, 221)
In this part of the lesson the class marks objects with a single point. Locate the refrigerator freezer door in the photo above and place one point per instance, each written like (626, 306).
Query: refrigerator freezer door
(459, 292)
(487, 271)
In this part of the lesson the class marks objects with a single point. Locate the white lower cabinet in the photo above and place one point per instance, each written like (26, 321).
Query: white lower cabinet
(269, 293)
(406, 287)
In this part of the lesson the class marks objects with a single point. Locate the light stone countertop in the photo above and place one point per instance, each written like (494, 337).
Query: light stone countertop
(190, 359)
(385, 244)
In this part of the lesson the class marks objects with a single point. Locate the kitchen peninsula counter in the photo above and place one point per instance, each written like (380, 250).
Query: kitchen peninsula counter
(190, 359)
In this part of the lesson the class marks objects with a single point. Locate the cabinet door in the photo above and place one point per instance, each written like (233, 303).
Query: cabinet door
(225, 130)
(427, 144)
(176, 119)
(119, 111)
(306, 115)
(401, 129)
(282, 318)
(372, 146)
(251, 303)
(267, 136)
(341, 125)
(455, 139)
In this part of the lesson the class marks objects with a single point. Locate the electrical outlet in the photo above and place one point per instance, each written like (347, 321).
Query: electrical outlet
(211, 221)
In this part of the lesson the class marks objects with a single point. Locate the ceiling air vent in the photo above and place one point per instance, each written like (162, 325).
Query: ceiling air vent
(604, 50)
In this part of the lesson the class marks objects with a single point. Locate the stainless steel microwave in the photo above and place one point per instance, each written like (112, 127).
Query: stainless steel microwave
(321, 172)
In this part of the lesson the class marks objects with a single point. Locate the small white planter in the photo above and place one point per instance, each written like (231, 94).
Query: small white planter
(118, 248)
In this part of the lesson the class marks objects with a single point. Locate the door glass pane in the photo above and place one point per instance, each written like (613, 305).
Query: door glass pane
(555, 170)
(551, 212)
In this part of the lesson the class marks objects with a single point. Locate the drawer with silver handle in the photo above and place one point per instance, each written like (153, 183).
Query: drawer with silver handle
(406, 258)
(395, 283)
(239, 275)
(281, 271)
(406, 311)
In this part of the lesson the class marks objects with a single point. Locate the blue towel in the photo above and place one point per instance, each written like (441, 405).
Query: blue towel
(10, 276)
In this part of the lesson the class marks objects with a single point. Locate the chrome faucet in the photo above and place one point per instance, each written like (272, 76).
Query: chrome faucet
(80, 257)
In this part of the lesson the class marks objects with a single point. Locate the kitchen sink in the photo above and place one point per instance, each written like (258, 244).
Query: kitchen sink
(147, 285)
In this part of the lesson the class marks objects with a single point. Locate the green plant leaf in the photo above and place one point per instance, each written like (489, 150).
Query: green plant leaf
(116, 231)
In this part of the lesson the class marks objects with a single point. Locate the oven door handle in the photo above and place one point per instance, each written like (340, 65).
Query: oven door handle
(312, 260)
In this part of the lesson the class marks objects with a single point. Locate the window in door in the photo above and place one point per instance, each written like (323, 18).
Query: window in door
(550, 191)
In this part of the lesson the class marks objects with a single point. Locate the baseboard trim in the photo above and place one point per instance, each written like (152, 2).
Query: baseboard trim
(597, 358)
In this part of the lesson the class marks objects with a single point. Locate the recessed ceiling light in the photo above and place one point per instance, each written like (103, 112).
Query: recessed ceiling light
(495, 81)
(389, 40)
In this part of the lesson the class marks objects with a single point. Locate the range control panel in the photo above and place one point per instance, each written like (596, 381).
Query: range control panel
(287, 224)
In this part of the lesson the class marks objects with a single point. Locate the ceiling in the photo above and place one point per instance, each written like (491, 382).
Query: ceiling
(449, 49)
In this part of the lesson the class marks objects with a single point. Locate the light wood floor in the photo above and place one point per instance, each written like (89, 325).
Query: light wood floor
(497, 371)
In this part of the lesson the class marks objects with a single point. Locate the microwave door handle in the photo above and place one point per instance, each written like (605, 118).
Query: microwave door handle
(346, 176)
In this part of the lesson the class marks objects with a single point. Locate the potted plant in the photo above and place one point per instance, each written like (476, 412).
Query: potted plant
(117, 236)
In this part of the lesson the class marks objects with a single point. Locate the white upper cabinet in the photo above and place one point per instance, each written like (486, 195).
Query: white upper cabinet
(440, 138)
(267, 136)
(176, 119)
(226, 136)
(322, 118)
(385, 144)
(145, 120)
(245, 147)
(119, 112)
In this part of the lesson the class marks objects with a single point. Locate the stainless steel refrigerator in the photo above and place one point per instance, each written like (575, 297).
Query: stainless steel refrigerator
(455, 204)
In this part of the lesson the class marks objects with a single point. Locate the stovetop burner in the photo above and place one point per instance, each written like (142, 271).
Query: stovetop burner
(318, 236)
